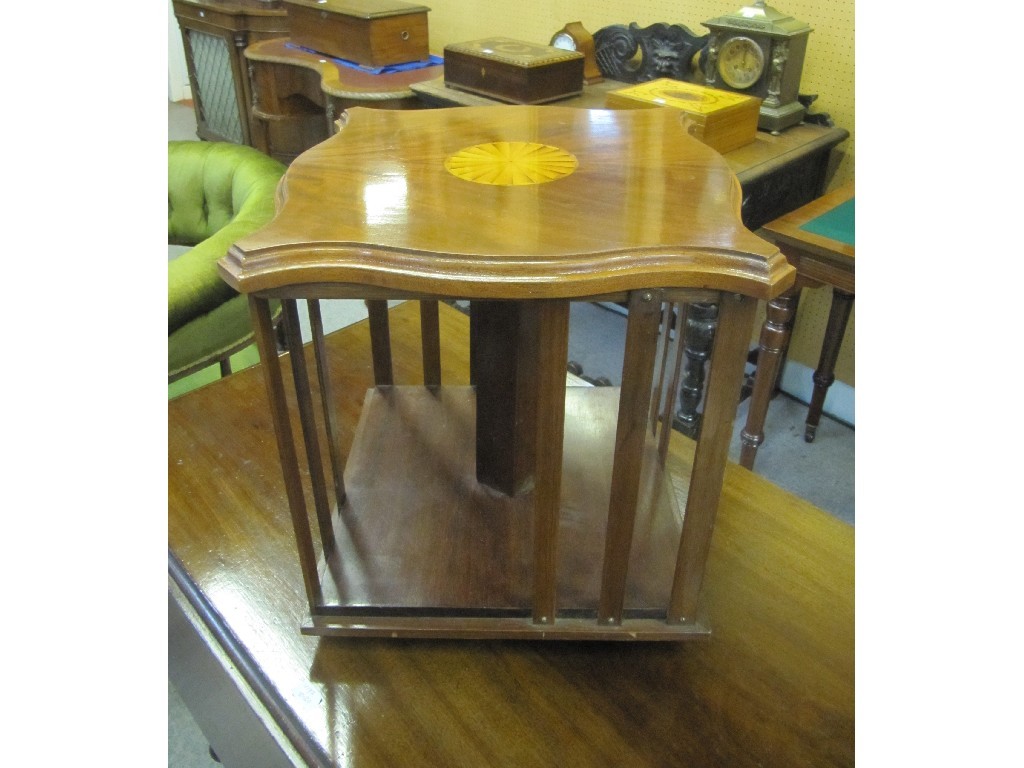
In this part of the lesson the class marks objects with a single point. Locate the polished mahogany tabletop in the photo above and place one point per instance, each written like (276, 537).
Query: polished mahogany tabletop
(509, 202)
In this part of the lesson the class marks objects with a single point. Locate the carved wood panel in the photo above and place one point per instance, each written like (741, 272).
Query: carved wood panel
(634, 55)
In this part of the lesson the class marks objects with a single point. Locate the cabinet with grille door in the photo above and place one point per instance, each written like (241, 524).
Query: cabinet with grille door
(215, 34)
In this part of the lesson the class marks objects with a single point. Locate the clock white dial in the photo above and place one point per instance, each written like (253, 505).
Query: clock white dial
(740, 62)
(564, 41)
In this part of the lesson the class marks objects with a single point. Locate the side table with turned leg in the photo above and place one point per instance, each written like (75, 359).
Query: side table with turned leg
(818, 240)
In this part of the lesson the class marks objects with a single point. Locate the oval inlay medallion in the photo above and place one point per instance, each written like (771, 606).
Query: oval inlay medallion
(511, 163)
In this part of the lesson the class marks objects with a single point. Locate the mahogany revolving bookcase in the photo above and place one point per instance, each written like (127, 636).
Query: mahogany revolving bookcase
(516, 506)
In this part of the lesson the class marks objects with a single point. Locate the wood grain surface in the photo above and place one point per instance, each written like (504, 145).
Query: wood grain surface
(374, 206)
(336, 79)
(773, 686)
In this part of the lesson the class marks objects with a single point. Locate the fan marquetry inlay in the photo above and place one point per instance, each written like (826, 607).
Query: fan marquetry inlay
(511, 163)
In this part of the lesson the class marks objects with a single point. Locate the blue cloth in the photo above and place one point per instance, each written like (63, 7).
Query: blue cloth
(388, 69)
(837, 224)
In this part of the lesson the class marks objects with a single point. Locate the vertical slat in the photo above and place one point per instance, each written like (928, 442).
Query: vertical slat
(553, 328)
(316, 325)
(259, 312)
(380, 342)
(668, 415)
(659, 391)
(630, 434)
(304, 401)
(728, 359)
(431, 338)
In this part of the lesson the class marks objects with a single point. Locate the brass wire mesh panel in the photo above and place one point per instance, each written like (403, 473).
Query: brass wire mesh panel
(217, 97)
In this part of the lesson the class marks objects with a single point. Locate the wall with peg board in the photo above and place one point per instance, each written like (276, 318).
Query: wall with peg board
(828, 69)
(828, 72)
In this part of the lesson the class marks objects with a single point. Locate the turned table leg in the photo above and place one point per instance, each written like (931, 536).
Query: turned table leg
(838, 315)
(775, 335)
(699, 335)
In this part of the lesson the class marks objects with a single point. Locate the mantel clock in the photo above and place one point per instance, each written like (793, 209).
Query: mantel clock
(759, 51)
(574, 37)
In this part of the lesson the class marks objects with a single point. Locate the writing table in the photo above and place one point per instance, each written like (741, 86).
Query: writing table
(773, 686)
(297, 94)
(817, 239)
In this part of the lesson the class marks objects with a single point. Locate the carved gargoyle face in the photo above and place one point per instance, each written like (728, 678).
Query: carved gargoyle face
(663, 58)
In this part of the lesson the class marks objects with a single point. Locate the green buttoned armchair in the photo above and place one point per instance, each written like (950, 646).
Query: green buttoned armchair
(216, 194)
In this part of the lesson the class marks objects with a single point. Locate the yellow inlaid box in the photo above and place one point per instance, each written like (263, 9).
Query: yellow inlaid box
(721, 119)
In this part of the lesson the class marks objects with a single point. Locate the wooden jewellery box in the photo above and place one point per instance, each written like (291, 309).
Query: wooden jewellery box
(513, 71)
(721, 119)
(374, 33)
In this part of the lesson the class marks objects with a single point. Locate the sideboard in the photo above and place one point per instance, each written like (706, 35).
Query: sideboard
(215, 34)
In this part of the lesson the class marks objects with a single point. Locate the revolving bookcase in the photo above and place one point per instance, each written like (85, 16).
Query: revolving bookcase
(515, 506)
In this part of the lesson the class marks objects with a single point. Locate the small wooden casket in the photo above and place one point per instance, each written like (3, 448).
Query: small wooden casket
(513, 71)
(373, 33)
(721, 119)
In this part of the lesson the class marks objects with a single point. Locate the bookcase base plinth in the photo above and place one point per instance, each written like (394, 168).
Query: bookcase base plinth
(422, 549)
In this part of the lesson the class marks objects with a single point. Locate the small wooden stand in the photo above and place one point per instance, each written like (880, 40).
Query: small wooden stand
(512, 508)
(822, 250)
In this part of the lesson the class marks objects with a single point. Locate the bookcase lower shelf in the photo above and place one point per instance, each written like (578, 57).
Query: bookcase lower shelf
(421, 548)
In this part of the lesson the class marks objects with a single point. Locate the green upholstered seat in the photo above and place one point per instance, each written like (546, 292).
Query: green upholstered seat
(216, 193)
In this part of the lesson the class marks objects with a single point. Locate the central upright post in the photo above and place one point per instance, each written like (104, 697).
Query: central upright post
(504, 344)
